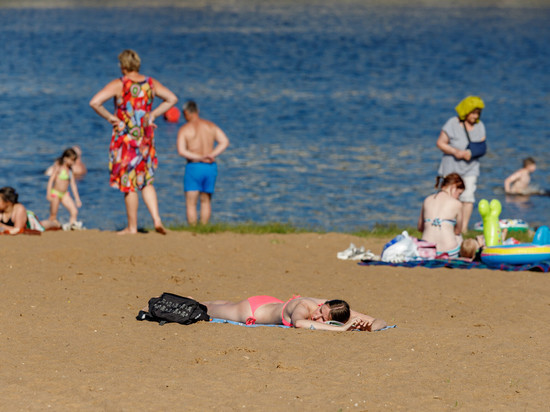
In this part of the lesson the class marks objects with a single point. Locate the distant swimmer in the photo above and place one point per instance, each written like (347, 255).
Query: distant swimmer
(519, 182)
(196, 141)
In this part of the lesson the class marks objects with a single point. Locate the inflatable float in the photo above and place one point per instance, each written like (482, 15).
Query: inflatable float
(522, 253)
(510, 224)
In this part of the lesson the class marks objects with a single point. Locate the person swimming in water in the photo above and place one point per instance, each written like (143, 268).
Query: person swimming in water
(519, 182)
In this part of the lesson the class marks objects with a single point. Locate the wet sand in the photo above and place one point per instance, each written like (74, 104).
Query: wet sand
(469, 339)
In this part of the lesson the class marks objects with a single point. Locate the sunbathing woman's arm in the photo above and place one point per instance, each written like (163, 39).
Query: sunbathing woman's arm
(353, 323)
(372, 323)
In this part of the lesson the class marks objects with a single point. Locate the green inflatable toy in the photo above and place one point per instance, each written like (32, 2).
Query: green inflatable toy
(491, 227)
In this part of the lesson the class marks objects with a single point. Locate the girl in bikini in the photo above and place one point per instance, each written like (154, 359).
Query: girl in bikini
(58, 191)
(299, 312)
(440, 219)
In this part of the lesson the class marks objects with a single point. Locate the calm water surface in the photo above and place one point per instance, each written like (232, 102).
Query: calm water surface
(332, 110)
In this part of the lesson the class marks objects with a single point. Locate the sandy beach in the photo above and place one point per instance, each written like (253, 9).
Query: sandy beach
(465, 339)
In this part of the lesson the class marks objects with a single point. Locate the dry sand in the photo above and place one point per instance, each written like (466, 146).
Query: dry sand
(465, 339)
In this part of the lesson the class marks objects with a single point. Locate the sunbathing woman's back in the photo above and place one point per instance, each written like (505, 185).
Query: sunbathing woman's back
(440, 220)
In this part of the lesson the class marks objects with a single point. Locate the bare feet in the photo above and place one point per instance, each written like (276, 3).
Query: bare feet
(126, 231)
(160, 229)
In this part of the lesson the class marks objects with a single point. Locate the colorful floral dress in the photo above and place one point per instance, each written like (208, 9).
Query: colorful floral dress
(132, 155)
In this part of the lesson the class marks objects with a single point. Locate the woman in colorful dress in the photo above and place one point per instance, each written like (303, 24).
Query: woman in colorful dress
(132, 155)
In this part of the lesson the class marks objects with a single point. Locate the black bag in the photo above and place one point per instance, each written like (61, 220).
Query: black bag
(478, 149)
(173, 308)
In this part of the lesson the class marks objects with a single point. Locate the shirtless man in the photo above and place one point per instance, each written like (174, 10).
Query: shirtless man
(518, 182)
(196, 143)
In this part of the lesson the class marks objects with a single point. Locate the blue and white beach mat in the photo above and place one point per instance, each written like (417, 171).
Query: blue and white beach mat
(216, 320)
(462, 264)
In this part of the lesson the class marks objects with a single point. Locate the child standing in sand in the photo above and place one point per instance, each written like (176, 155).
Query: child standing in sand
(518, 182)
(58, 192)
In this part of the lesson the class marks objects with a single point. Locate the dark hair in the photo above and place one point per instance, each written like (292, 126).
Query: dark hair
(190, 106)
(449, 180)
(9, 194)
(70, 153)
(339, 310)
(529, 161)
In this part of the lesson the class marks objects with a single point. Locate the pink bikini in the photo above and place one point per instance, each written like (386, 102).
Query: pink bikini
(257, 301)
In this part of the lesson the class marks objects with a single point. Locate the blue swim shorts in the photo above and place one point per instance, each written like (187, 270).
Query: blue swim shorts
(200, 177)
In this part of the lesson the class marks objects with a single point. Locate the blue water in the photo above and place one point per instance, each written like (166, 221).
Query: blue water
(333, 110)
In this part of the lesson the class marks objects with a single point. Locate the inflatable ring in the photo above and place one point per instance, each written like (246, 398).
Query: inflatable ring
(520, 254)
(510, 224)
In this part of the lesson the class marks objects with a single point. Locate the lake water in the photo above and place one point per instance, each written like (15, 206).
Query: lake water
(332, 108)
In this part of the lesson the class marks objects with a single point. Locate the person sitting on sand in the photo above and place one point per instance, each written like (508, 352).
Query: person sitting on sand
(518, 182)
(13, 215)
(57, 191)
(440, 219)
(300, 312)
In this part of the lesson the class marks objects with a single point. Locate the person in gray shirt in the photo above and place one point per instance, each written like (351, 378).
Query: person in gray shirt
(453, 141)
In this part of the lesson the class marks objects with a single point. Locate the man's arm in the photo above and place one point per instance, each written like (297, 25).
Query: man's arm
(222, 143)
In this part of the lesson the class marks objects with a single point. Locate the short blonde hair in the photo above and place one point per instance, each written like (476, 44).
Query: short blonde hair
(129, 60)
(468, 249)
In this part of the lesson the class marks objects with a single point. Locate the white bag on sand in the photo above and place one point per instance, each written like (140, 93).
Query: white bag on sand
(401, 249)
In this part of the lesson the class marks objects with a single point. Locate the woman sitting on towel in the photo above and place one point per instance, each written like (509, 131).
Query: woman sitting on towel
(440, 220)
(300, 312)
(13, 215)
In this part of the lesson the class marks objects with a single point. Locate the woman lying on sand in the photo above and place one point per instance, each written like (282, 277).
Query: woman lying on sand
(300, 312)
(13, 215)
